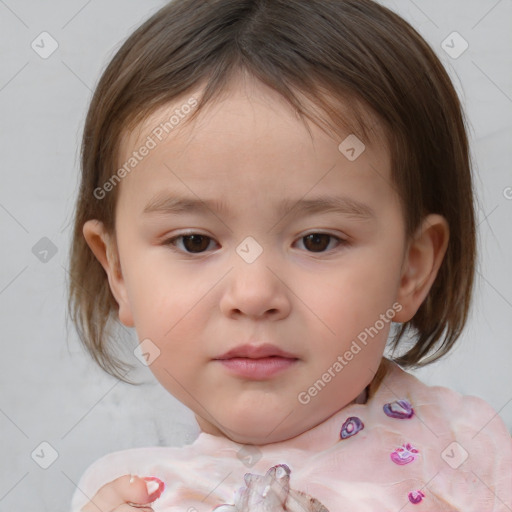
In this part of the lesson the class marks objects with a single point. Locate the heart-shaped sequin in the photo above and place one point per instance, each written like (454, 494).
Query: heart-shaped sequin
(400, 409)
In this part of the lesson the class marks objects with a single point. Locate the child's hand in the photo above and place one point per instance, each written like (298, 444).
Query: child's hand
(126, 493)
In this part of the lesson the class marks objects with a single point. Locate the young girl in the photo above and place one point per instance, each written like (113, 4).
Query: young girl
(270, 190)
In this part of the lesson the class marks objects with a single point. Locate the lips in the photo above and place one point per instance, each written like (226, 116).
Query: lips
(256, 352)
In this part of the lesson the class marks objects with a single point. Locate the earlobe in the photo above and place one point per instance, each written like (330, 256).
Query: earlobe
(421, 264)
(104, 249)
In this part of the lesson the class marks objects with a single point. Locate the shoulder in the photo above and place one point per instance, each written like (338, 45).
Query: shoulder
(467, 437)
(457, 410)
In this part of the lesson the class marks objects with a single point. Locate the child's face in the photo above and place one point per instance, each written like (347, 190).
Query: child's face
(311, 297)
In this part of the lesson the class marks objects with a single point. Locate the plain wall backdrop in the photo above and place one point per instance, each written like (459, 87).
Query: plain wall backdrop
(51, 392)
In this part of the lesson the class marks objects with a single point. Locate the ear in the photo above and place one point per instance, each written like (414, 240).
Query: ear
(424, 255)
(105, 249)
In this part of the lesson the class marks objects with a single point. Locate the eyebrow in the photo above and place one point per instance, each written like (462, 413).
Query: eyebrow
(174, 205)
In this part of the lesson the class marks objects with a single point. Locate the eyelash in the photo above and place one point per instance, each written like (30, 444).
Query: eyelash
(172, 245)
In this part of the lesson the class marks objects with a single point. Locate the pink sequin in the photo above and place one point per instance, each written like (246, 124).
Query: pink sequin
(404, 455)
(416, 496)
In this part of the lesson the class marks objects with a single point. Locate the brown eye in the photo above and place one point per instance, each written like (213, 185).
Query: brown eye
(193, 244)
(319, 242)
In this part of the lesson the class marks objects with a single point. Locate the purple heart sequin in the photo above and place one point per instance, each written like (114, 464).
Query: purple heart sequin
(351, 427)
(400, 409)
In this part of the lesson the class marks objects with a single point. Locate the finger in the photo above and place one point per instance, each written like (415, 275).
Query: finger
(111, 496)
(123, 490)
(128, 508)
(154, 489)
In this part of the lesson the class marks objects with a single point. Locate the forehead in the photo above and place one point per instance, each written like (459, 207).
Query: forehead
(250, 134)
(243, 100)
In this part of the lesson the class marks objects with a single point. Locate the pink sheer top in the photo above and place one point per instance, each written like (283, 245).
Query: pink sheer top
(410, 447)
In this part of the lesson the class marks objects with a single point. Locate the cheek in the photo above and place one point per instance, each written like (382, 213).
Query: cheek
(157, 305)
(159, 293)
(353, 293)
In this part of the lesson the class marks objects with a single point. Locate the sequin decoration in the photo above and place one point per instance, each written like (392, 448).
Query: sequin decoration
(404, 455)
(351, 427)
(416, 496)
(400, 409)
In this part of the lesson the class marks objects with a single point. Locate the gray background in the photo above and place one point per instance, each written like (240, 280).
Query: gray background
(50, 391)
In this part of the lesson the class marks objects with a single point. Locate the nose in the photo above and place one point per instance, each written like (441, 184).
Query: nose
(256, 290)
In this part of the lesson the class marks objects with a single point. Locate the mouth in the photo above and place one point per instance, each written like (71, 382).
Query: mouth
(247, 351)
(257, 368)
(257, 362)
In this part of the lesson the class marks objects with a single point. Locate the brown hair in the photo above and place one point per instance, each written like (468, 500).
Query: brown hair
(356, 51)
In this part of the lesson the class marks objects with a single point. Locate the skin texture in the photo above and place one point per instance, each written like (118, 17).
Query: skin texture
(310, 298)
